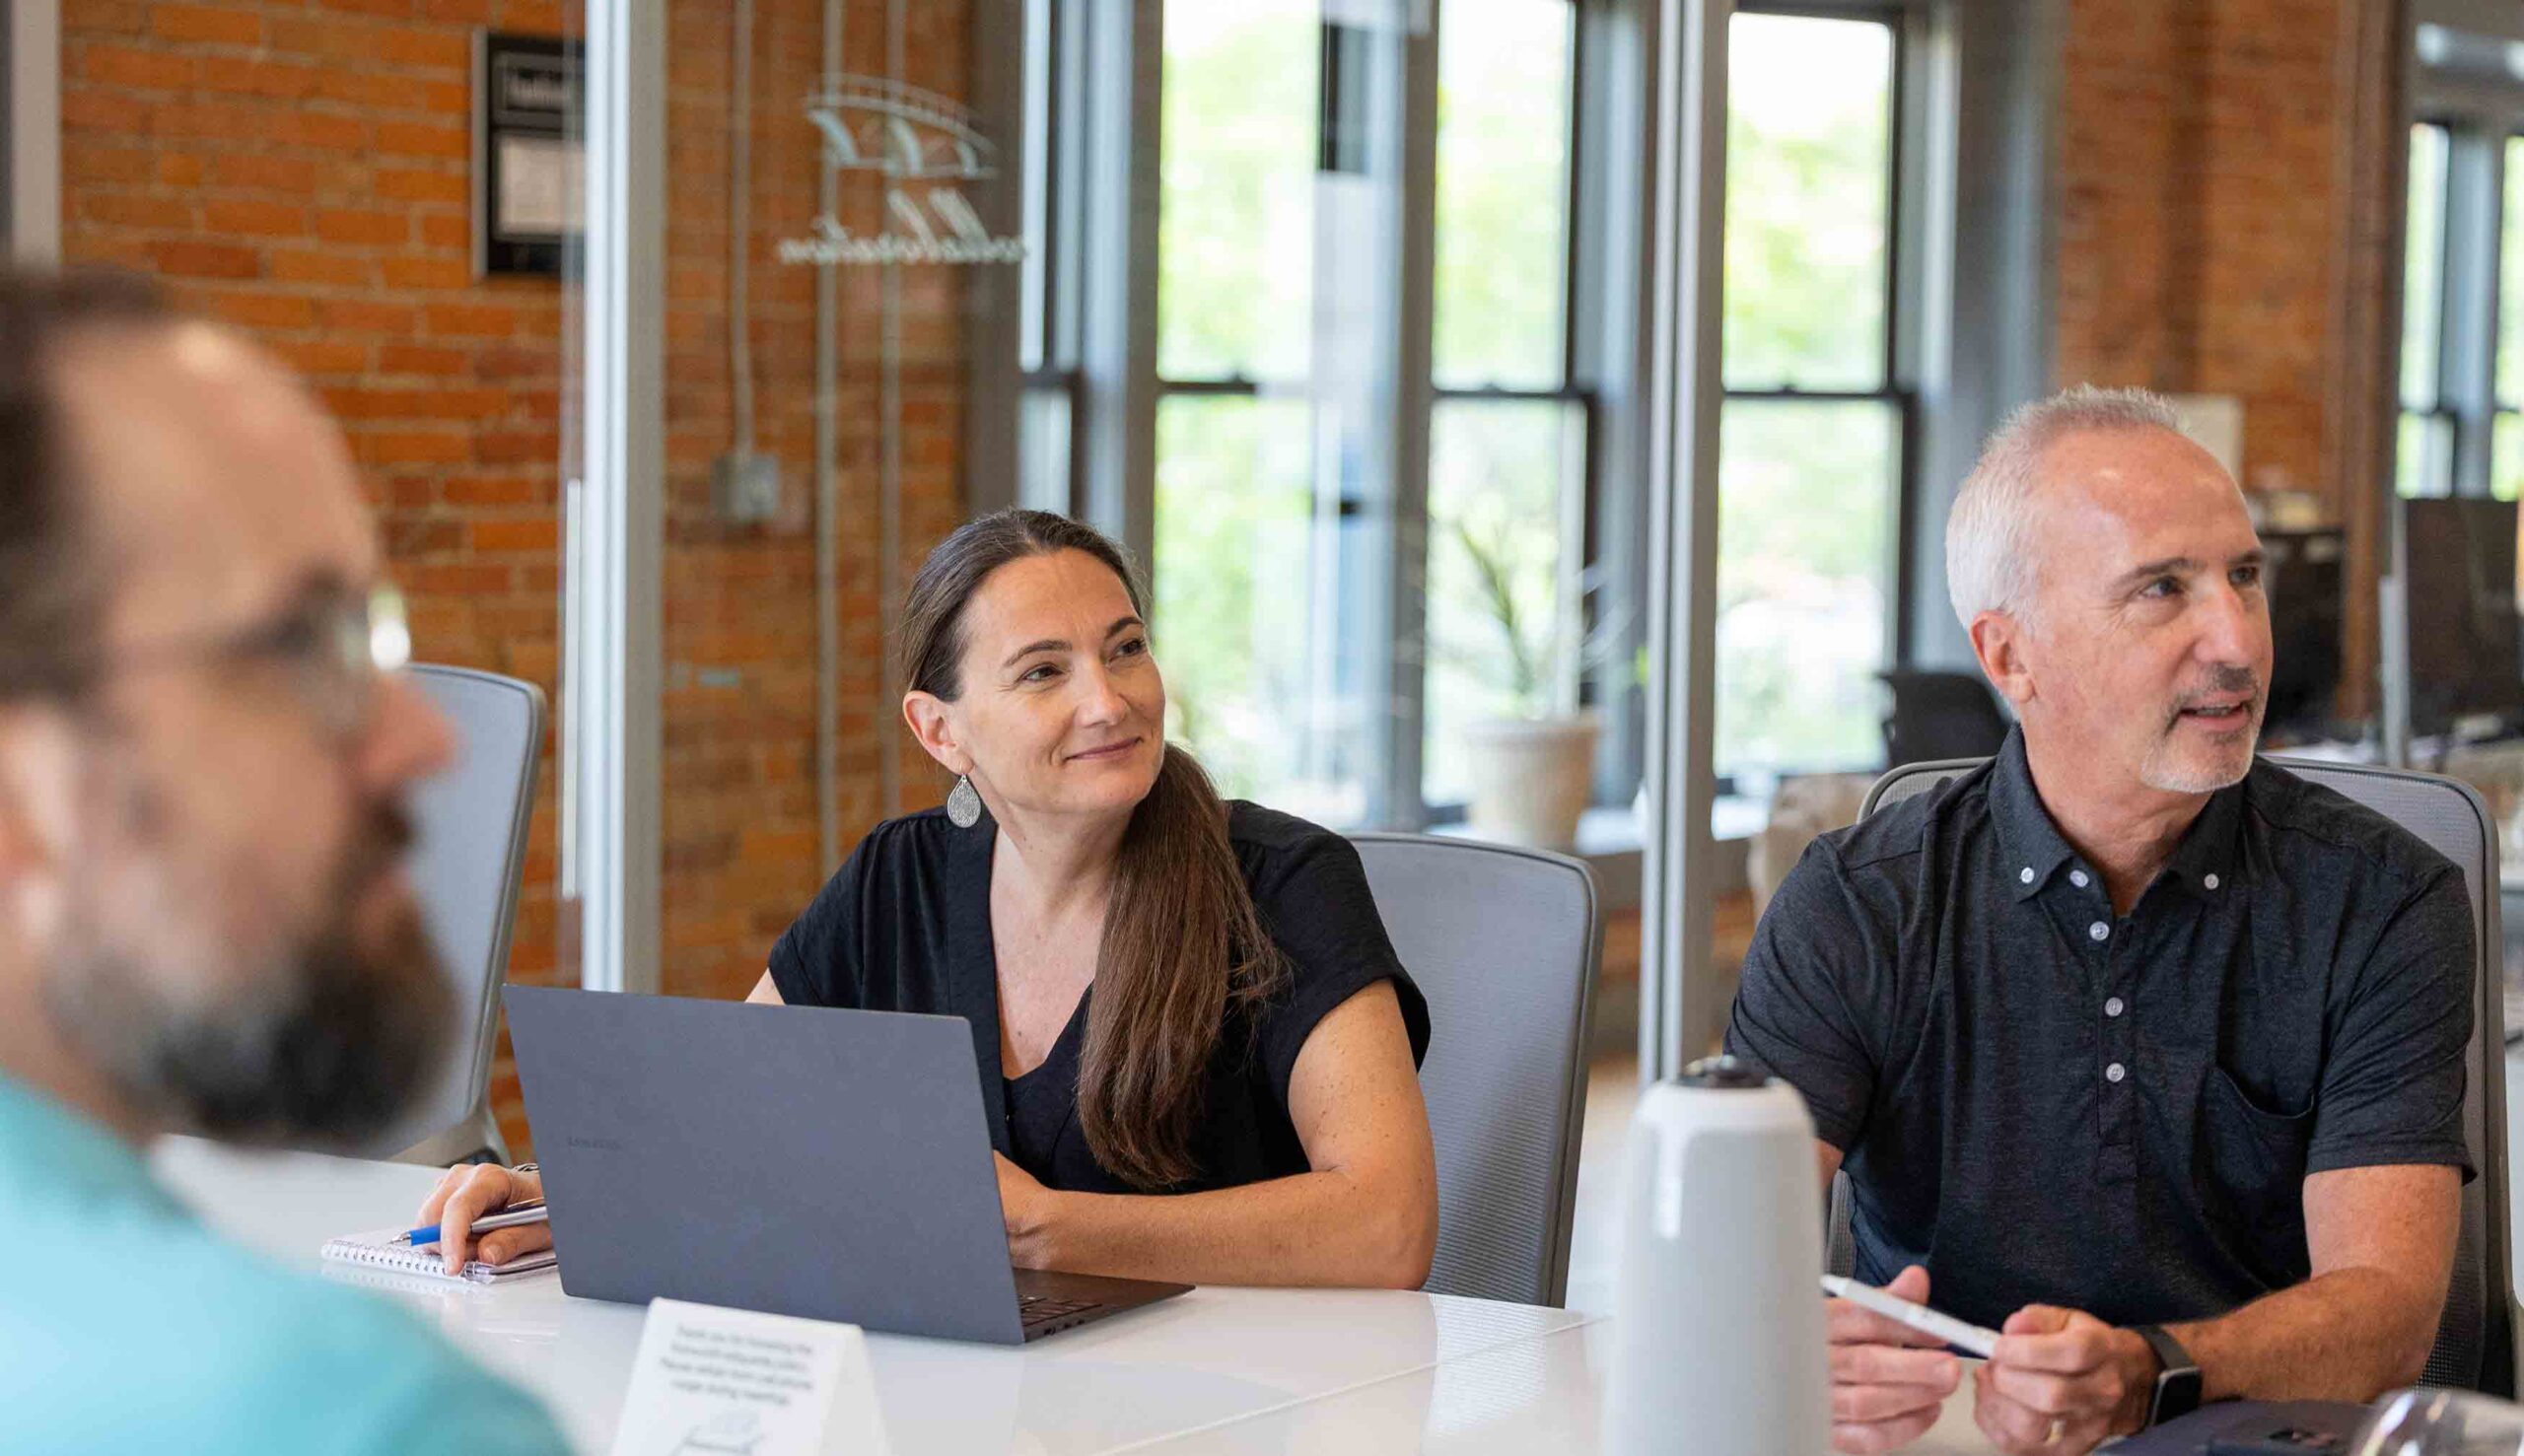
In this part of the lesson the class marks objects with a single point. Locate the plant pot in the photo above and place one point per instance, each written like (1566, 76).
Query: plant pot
(1531, 778)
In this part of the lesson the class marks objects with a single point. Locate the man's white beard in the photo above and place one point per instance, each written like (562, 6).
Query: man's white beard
(2163, 773)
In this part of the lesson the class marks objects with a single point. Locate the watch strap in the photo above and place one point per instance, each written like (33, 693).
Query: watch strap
(2177, 1392)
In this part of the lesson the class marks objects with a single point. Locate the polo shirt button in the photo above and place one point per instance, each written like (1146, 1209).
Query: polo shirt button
(2113, 1006)
(2210, 880)
(2078, 877)
(2026, 875)
(2114, 1073)
(2098, 931)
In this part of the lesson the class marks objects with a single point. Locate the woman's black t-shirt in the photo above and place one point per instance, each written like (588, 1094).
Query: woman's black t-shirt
(905, 927)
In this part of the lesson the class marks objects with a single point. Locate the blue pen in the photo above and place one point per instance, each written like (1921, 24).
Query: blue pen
(516, 1218)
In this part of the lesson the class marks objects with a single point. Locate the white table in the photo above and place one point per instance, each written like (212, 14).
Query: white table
(1215, 1371)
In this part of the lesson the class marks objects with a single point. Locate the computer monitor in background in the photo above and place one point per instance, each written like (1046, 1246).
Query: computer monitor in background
(2303, 572)
(2466, 653)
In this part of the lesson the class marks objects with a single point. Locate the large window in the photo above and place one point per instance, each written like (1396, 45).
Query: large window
(1812, 437)
(1392, 408)
(2462, 359)
(1249, 529)
(1508, 606)
(1283, 525)
(2506, 429)
(2423, 452)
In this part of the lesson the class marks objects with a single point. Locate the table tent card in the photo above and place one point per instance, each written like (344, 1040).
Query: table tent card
(730, 1382)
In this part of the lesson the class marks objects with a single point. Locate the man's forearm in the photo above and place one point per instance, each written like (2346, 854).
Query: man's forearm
(2349, 1335)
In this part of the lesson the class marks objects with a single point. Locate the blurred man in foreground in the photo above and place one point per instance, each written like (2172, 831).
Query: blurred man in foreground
(204, 924)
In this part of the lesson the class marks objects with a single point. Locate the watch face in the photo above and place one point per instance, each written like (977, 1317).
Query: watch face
(2177, 1394)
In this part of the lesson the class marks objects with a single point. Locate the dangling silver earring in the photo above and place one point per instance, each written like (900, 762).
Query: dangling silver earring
(963, 804)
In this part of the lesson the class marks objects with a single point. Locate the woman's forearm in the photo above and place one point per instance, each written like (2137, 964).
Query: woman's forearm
(1313, 1228)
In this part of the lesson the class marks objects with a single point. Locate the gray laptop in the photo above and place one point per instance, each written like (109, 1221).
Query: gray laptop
(824, 1163)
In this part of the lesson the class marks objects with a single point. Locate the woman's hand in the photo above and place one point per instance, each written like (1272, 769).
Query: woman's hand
(471, 1190)
(1026, 1206)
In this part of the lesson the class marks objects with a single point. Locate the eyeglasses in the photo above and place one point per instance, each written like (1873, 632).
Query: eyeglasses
(335, 644)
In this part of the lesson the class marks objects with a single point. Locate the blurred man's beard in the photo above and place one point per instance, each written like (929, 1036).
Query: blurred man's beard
(325, 1043)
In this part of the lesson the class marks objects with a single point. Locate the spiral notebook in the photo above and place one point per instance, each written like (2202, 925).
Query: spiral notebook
(384, 1248)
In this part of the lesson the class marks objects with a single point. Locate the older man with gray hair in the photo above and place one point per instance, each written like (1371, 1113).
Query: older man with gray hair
(2132, 1045)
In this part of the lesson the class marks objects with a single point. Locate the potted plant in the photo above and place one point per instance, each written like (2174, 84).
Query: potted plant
(1531, 765)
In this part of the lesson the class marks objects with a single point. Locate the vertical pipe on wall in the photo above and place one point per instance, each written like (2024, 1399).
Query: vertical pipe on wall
(828, 499)
(890, 486)
(741, 229)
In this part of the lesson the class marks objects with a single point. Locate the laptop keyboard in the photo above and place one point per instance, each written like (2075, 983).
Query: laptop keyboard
(1038, 1310)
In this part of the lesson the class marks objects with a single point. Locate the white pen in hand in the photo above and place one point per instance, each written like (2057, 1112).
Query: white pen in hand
(1945, 1327)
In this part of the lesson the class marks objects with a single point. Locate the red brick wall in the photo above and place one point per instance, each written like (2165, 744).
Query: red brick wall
(2196, 232)
(302, 169)
(2216, 229)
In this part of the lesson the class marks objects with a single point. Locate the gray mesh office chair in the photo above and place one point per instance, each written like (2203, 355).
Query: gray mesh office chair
(1503, 941)
(2475, 1340)
(468, 855)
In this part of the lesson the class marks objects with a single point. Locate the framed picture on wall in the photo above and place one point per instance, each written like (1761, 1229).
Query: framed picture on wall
(528, 155)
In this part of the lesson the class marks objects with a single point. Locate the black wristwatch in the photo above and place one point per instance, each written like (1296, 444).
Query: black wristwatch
(2177, 1392)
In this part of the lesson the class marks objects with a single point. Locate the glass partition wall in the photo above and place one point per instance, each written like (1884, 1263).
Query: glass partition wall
(803, 230)
(1336, 312)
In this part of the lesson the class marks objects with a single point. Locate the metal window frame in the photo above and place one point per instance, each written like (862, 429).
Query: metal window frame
(1110, 133)
(615, 523)
(1613, 354)
(1680, 1006)
(1052, 128)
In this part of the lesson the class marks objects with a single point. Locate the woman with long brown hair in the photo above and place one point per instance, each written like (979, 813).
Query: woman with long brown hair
(1199, 1052)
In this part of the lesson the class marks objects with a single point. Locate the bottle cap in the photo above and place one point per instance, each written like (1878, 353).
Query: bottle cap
(1721, 1074)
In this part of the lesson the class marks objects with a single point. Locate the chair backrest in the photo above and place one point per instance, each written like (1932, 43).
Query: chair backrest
(2474, 1338)
(1941, 715)
(468, 857)
(1504, 943)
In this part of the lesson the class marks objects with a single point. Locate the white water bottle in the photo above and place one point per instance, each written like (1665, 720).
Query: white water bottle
(1718, 1322)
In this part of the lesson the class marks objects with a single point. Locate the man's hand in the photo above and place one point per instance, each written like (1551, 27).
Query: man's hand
(1889, 1381)
(468, 1191)
(2060, 1382)
(1026, 1206)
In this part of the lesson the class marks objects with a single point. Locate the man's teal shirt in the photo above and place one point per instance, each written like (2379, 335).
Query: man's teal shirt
(126, 1326)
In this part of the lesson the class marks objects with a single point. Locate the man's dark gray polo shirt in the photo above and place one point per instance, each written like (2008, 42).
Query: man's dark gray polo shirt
(2044, 1102)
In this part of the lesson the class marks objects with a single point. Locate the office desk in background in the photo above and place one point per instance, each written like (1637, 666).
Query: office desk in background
(1217, 1370)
